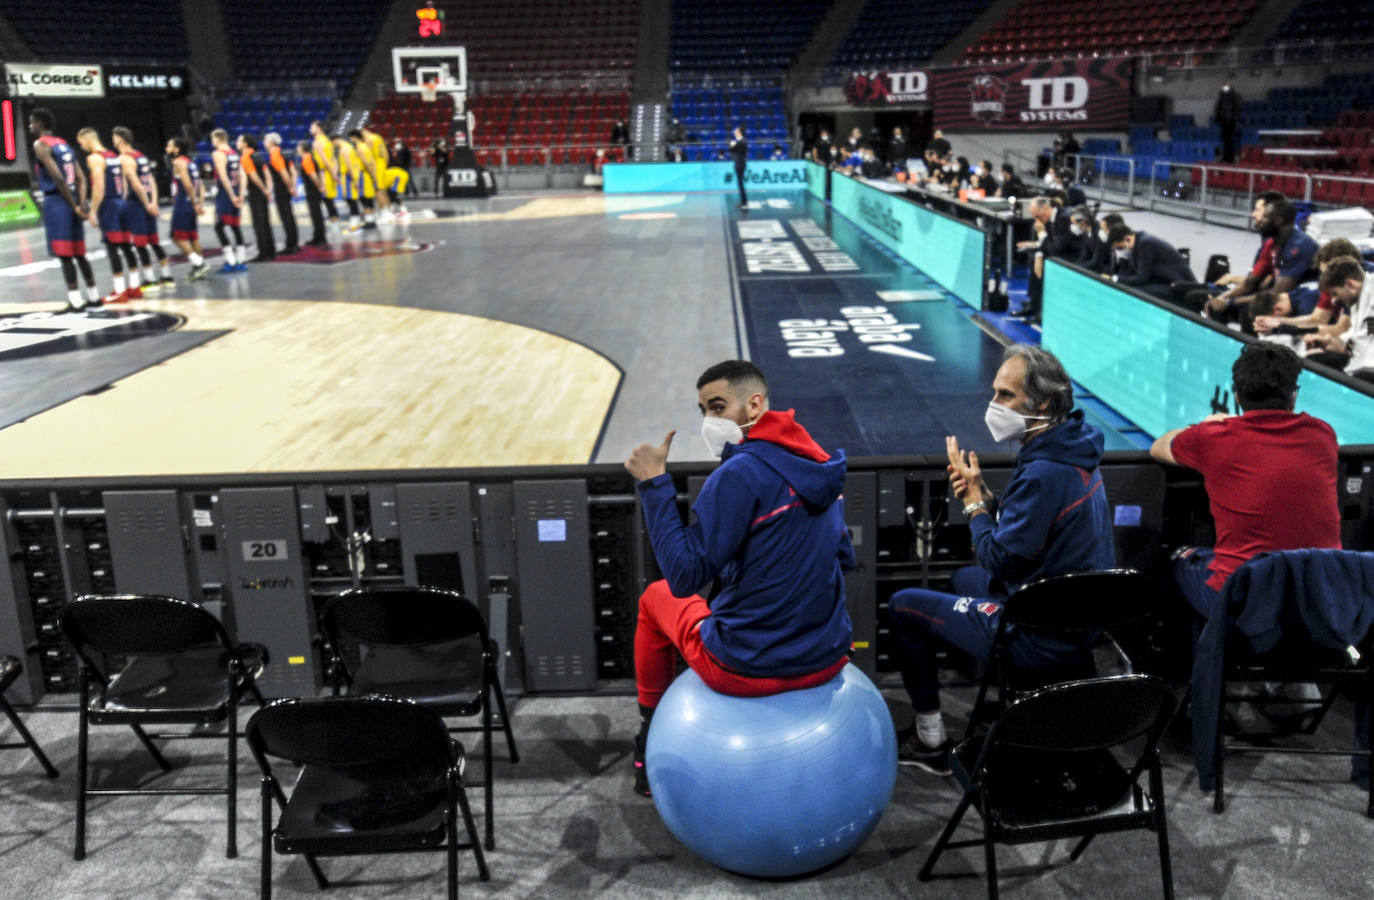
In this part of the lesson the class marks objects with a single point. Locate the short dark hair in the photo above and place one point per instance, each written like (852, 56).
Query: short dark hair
(1265, 376)
(1284, 211)
(1009, 168)
(1119, 233)
(1270, 196)
(740, 373)
(1335, 249)
(43, 116)
(355, 133)
(1340, 271)
(181, 144)
(1262, 304)
(124, 134)
(250, 140)
(1045, 380)
(1111, 220)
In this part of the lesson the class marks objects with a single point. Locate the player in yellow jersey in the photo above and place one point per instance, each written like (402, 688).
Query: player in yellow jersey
(351, 172)
(391, 180)
(322, 149)
(370, 178)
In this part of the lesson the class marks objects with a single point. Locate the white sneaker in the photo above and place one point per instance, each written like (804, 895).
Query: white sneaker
(403, 213)
(385, 217)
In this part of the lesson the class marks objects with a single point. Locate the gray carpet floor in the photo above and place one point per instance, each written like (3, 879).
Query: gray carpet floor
(567, 825)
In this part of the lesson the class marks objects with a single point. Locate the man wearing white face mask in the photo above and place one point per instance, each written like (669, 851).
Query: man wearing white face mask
(1053, 518)
(770, 528)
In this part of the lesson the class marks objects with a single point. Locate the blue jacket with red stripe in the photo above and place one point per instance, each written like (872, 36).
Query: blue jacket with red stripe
(770, 524)
(1053, 517)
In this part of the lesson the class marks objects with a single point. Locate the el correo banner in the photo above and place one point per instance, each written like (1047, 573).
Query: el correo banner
(42, 80)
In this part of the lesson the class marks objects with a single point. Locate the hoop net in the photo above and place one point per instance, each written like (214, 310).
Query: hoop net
(429, 91)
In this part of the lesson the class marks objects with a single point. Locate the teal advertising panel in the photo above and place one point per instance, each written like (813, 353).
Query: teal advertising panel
(1162, 369)
(815, 180)
(648, 178)
(949, 251)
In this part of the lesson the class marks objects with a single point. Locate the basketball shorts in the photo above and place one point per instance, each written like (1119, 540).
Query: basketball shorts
(184, 224)
(225, 210)
(61, 224)
(110, 215)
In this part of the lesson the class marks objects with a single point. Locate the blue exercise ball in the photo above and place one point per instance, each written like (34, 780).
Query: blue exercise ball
(772, 786)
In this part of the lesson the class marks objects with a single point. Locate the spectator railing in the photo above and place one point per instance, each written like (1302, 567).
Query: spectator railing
(1290, 54)
(1169, 186)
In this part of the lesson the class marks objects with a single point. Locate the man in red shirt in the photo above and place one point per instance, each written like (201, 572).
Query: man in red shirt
(1270, 473)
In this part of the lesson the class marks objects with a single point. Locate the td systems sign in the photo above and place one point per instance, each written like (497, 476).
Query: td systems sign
(1073, 94)
(878, 88)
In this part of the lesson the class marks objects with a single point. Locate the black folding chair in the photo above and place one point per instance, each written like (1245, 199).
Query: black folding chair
(1295, 660)
(377, 775)
(1291, 617)
(157, 661)
(1084, 609)
(424, 644)
(10, 669)
(1060, 763)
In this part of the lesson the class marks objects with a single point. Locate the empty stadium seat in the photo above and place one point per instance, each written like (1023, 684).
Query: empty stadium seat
(1049, 28)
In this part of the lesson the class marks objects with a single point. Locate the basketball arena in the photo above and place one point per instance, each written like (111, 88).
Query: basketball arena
(301, 305)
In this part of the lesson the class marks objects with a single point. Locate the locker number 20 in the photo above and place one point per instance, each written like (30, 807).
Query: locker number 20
(264, 551)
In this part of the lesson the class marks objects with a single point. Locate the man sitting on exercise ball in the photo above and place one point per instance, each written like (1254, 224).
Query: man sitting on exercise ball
(769, 531)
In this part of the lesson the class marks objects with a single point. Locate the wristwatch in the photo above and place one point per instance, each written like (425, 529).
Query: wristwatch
(972, 508)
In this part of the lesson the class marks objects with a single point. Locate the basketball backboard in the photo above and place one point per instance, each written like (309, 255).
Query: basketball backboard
(413, 67)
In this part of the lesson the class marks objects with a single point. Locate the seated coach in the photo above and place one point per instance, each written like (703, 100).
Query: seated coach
(1052, 519)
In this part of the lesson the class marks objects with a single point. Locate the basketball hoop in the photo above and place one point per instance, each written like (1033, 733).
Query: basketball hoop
(429, 91)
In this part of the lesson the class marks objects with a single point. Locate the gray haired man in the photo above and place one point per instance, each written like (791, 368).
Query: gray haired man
(1053, 518)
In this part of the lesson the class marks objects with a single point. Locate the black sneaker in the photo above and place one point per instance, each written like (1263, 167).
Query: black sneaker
(935, 760)
(167, 280)
(641, 785)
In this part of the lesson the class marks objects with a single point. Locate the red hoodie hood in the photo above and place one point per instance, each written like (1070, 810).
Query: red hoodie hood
(782, 428)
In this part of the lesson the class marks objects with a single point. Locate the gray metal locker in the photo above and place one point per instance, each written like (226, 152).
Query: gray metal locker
(268, 589)
(861, 515)
(147, 543)
(16, 616)
(436, 529)
(554, 585)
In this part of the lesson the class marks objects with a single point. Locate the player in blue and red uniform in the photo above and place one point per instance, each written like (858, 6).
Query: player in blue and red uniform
(187, 195)
(64, 206)
(140, 208)
(228, 202)
(107, 207)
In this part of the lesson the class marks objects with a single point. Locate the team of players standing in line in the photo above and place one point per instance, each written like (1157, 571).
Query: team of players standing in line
(121, 199)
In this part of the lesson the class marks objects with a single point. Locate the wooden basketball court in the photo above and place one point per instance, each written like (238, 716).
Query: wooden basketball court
(517, 330)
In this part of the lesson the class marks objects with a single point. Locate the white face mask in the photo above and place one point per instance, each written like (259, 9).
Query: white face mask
(1103, 233)
(1006, 424)
(1077, 230)
(717, 432)
(1123, 253)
